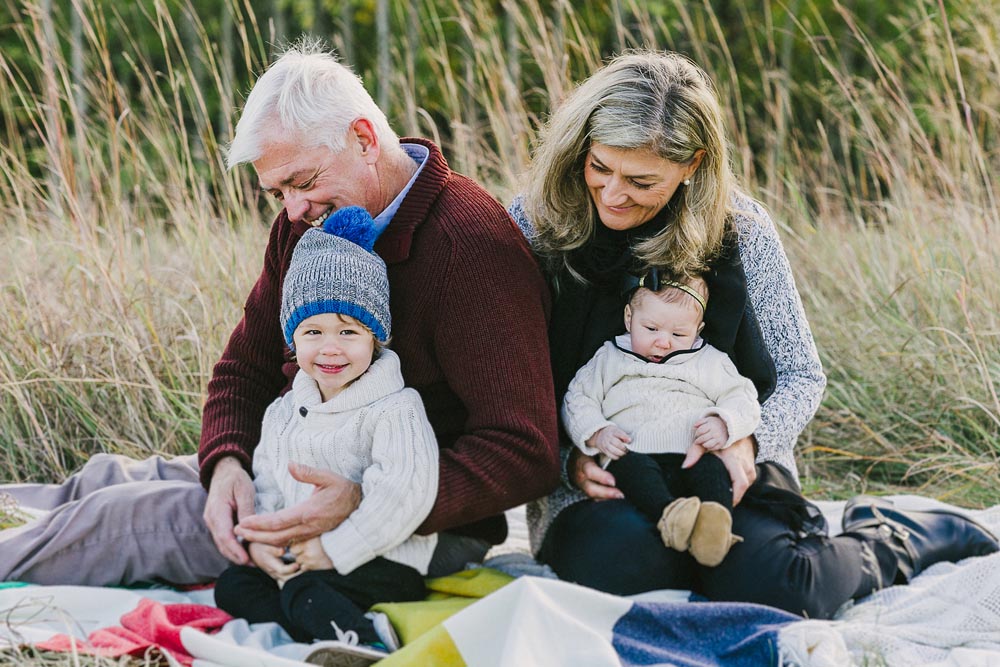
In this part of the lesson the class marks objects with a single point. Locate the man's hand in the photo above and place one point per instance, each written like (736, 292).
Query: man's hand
(591, 478)
(610, 441)
(738, 459)
(230, 500)
(711, 433)
(311, 556)
(333, 499)
(268, 558)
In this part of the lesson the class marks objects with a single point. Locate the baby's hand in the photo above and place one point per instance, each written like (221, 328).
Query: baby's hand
(311, 556)
(268, 558)
(711, 433)
(610, 441)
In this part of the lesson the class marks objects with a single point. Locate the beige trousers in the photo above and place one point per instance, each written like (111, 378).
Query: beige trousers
(120, 521)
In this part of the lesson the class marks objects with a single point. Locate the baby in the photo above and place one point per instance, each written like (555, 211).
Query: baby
(646, 397)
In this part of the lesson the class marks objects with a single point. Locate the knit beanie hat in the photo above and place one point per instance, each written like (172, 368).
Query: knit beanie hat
(334, 270)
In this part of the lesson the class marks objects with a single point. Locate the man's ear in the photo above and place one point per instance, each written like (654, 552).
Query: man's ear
(363, 132)
(628, 318)
(701, 326)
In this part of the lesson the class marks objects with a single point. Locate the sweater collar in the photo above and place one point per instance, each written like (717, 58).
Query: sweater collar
(393, 245)
(382, 378)
(624, 343)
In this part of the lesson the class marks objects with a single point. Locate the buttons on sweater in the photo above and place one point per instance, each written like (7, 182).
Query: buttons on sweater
(303, 411)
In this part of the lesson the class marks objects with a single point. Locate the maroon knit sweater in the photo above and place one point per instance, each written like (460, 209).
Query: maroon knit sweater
(469, 310)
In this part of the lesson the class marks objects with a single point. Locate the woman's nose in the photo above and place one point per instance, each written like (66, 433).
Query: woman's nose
(613, 194)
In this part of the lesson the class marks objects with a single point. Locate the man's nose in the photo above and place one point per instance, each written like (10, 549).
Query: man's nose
(296, 206)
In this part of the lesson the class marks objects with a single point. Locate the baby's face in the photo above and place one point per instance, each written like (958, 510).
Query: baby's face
(659, 328)
(335, 350)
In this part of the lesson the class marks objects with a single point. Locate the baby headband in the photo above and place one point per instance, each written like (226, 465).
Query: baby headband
(656, 283)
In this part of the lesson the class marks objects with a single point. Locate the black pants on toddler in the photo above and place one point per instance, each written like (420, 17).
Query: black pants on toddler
(307, 603)
(652, 481)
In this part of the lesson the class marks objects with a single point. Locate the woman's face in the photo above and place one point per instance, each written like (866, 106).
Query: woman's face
(629, 187)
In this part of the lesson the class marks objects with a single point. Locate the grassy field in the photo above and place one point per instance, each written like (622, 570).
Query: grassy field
(127, 249)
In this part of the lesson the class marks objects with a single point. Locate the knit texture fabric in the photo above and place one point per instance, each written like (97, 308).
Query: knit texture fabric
(334, 270)
(375, 433)
(658, 404)
(777, 307)
(469, 312)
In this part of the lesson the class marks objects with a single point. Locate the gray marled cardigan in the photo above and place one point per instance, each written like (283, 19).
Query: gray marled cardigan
(778, 307)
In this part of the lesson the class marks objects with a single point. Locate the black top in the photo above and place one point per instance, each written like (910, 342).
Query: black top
(584, 316)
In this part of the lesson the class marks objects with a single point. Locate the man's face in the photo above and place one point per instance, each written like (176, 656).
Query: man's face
(313, 182)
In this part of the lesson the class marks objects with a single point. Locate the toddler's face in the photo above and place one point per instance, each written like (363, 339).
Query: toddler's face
(657, 328)
(335, 350)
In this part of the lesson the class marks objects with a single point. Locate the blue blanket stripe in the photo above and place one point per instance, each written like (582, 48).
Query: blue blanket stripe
(703, 634)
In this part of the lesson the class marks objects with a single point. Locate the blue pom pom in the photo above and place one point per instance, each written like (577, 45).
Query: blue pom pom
(354, 224)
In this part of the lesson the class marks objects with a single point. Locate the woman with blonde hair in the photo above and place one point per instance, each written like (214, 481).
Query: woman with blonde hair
(632, 175)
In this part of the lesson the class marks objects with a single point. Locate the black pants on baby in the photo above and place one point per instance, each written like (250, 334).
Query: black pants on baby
(652, 481)
(307, 603)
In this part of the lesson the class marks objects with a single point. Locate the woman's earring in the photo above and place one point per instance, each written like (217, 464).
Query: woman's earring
(687, 181)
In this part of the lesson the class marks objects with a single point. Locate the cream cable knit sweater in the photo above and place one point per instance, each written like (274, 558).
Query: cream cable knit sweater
(375, 433)
(657, 404)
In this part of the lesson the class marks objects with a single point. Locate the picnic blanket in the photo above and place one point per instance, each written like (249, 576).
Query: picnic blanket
(949, 615)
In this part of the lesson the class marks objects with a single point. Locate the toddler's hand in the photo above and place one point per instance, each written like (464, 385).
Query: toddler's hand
(311, 556)
(610, 441)
(711, 433)
(268, 558)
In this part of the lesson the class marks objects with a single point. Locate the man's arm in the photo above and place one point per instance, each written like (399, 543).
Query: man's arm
(248, 376)
(244, 382)
(491, 341)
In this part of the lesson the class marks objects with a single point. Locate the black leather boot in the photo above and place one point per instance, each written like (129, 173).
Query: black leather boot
(917, 539)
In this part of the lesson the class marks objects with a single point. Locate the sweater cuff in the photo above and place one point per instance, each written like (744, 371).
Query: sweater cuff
(207, 463)
(346, 547)
(580, 436)
(564, 453)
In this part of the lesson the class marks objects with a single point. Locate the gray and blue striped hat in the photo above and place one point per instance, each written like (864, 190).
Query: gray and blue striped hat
(335, 270)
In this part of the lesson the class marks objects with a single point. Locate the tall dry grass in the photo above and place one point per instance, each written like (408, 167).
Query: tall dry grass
(128, 248)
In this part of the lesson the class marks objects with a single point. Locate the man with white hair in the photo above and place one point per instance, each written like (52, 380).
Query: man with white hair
(469, 309)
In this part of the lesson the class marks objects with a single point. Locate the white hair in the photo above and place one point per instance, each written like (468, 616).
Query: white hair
(310, 96)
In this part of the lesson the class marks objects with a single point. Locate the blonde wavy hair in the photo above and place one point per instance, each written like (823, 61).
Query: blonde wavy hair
(641, 100)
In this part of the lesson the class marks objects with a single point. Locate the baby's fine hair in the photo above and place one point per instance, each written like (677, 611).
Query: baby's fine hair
(670, 294)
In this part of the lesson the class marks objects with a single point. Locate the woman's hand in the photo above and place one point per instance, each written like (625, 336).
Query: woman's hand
(268, 558)
(333, 499)
(591, 478)
(311, 556)
(739, 461)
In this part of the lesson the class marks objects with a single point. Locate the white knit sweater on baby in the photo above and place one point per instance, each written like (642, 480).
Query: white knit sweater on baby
(657, 404)
(374, 432)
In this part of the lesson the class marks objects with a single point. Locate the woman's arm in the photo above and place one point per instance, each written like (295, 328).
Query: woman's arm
(782, 320)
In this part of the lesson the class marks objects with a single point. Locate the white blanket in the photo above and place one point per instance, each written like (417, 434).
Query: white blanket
(949, 615)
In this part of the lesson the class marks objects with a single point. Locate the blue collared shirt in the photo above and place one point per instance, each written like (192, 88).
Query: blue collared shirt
(419, 154)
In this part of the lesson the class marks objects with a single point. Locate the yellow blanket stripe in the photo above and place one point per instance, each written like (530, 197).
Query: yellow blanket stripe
(418, 624)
